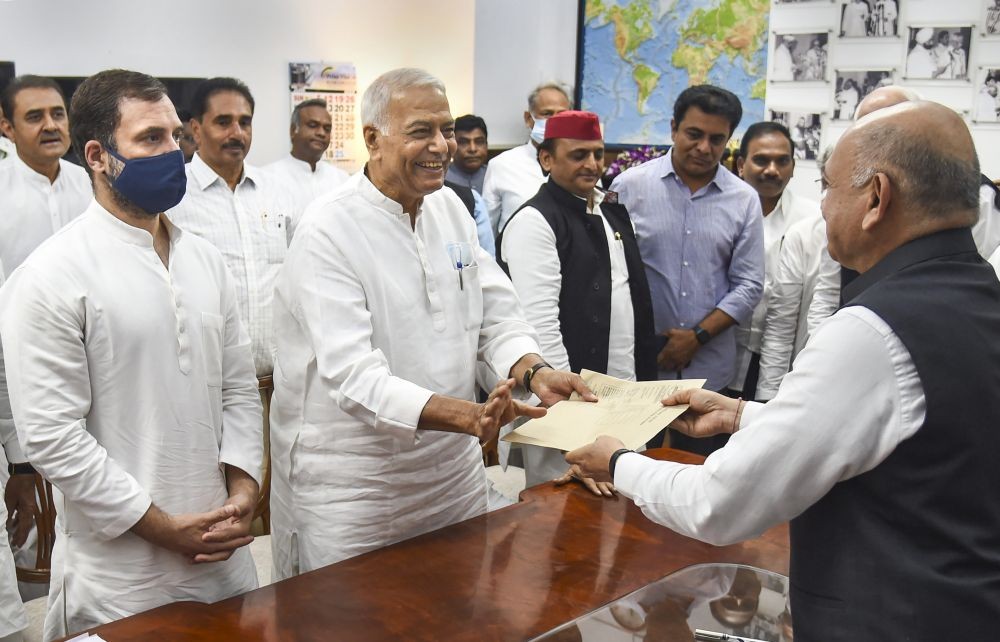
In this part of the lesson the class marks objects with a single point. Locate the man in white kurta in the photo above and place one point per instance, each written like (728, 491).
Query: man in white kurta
(515, 176)
(920, 62)
(767, 164)
(386, 305)
(132, 387)
(304, 173)
(855, 19)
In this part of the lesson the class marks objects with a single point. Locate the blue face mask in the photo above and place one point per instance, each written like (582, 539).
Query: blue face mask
(538, 130)
(155, 183)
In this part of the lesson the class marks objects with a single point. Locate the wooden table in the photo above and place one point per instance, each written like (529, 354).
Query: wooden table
(508, 575)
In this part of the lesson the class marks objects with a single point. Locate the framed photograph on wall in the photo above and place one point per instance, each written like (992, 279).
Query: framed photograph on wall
(852, 85)
(806, 129)
(991, 18)
(938, 53)
(869, 19)
(986, 106)
(800, 57)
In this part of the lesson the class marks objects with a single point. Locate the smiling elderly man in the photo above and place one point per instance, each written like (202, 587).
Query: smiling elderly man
(387, 304)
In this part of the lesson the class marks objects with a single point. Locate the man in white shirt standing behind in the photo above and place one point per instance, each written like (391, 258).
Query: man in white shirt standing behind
(387, 304)
(304, 172)
(515, 176)
(131, 379)
(574, 261)
(767, 164)
(235, 207)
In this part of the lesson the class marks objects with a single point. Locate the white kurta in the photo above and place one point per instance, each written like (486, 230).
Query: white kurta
(249, 227)
(12, 616)
(529, 248)
(511, 179)
(131, 383)
(920, 63)
(786, 325)
(790, 210)
(7, 149)
(855, 18)
(783, 67)
(303, 184)
(375, 319)
(986, 107)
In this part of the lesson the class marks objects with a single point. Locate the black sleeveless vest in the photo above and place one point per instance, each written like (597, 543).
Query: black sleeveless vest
(911, 549)
(585, 295)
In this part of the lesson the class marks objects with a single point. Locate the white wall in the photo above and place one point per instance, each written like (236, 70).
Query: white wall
(884, 53)
(519, 45)
(253, 40)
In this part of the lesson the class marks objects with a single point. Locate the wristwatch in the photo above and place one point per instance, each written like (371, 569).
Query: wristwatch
(614, 460)
(529, 374)
(20, 469)
(702, 335)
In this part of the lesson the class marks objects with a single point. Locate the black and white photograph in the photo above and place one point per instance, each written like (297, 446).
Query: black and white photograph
(986, 107)
(938, 53)
(806, 129)
(869, 19)
(991, 18)
(799, 57)
(851, 87)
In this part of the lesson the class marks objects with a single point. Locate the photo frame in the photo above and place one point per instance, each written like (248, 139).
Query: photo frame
(806, 128)
(986, 104)
(991, 19)
(938, 53)
(800, 57)
(851, 86)
(869, 18)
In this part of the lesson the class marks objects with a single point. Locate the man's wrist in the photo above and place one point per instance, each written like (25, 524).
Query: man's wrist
(613, 461)
(530, 373)
(24, 468)
(702, 335)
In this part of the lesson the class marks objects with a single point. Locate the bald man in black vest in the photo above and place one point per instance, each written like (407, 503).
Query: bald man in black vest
(881, 445)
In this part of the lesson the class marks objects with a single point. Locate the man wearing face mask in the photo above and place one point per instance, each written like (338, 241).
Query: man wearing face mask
(515, 176)
(237, 208)
(131, 379)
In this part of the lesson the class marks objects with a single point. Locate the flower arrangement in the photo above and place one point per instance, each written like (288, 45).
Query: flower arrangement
(631, 158)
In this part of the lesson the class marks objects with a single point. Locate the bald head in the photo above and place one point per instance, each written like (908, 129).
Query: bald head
(928, 154)
(884, 97)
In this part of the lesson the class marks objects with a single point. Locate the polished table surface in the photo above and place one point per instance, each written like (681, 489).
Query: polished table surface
(511, 574)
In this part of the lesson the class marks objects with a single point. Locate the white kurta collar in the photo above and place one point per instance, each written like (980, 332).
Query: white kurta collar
(129, 233)
(374, 196)
(31, 175)
(205, 176)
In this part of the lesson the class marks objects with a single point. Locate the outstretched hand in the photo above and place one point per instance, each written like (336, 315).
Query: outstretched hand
(499, 409)
(593, 459)
(708, 413)
(552, 386)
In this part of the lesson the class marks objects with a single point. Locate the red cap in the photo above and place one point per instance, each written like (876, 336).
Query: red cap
(581, 125)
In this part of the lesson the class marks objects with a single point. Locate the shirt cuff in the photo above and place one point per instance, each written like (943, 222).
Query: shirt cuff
(509, 353)
(400, 408)
(628, 471)
(735, 307)
(245, 462)
(128, 513)
(750, 409)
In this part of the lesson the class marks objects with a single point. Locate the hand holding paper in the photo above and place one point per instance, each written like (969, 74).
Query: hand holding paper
(628, 410)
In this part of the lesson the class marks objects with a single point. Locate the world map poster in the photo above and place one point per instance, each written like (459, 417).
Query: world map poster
(637, 56)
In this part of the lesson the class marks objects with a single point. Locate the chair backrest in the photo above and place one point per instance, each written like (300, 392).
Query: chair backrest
(45, 524)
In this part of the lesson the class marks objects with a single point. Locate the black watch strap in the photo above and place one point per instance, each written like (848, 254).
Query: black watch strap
(702, 335)
(529, 374)
(20, 469)
(614, 460)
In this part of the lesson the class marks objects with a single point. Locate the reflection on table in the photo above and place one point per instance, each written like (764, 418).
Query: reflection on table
(735, 599)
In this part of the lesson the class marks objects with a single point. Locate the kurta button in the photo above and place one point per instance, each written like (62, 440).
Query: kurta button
(593, 351)
(597, 286)
(596, 318)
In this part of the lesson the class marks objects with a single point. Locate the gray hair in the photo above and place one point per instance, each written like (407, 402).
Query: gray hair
(297, 112)
(375, 102)
(558, 86)
(824, 157)
(931, 181)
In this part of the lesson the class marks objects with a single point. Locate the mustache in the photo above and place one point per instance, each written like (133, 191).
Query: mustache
(234, 144)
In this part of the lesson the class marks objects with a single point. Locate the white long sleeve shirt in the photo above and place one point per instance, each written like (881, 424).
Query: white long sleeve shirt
(131, 384)
(790, 210)
(375, 318)
(786, 326)
(249, 227)
(511, 179)
(853, 396)
(529, 249)
(31, 210)
(303, 184)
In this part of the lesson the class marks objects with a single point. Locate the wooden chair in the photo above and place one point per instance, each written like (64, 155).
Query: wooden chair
(45, 524)
(265, 385)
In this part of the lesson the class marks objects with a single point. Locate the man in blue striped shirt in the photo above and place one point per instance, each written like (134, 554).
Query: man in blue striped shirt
(700, 233)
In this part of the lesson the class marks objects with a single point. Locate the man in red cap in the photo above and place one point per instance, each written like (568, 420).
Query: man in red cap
(574, 261)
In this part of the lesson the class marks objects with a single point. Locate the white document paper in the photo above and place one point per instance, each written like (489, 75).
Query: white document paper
(628, 410)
